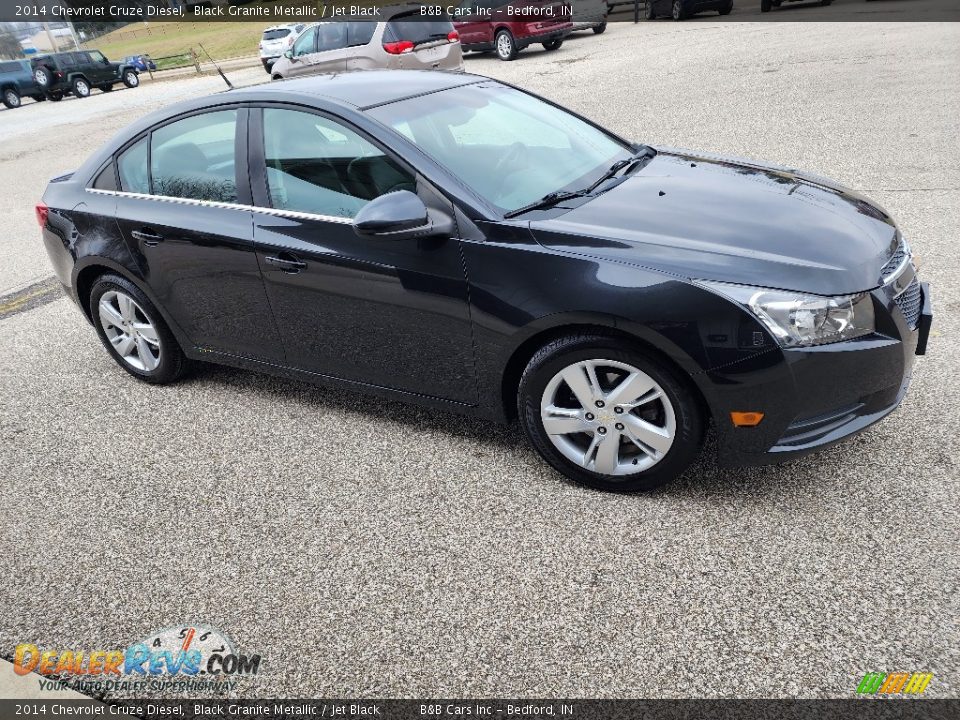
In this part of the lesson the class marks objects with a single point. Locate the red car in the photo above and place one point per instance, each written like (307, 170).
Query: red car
(508, 26)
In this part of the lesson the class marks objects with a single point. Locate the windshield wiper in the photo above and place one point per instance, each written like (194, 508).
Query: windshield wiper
(554, 198)
(548, 200)
(643, 154)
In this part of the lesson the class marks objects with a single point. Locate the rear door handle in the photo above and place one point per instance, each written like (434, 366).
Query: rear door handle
(288, 264)
(147, 236)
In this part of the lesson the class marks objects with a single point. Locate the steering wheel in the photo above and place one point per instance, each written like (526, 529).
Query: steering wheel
(515, 156)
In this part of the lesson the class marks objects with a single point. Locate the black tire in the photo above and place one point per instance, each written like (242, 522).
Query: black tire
(267, 65)
(824, 3)
(80, 87)
(130, 78)
(277, 77)
(173, 363)
(600, 29)
(727, 9)
(557, 355)
(106, 87)
(39, 98)
(777, 3)
(55, 96)
(553, 45)
(506, 48)
(11, 98)
(765, 5)
(42, 76)
(676, 11)
(648, 11)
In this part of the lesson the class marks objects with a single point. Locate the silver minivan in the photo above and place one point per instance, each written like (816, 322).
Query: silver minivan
(399, 43)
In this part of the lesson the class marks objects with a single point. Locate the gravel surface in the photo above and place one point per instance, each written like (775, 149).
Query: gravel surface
(375, 549)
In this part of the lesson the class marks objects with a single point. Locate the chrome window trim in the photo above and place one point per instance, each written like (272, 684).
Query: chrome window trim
(294, 214)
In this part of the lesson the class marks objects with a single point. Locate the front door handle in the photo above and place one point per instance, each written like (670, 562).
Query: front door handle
(147, 236)
(288, 264)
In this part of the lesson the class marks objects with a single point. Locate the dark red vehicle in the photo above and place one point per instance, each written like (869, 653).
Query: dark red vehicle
(508, 26)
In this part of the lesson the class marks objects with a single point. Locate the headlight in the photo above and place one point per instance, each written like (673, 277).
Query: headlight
(798, 320)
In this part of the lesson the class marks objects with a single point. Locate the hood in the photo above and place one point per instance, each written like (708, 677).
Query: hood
(728, 220)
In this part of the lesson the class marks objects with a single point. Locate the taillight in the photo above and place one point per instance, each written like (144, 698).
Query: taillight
(42, 212)
(398, 48)
(453, 36)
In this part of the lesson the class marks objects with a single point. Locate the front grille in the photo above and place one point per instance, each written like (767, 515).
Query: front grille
(894, 262)
(909, 303)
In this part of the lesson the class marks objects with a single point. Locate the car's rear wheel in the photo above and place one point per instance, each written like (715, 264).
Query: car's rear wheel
(648, 11)
(55, 96)
(765, 5)
(552, 44)
(11, 98)
(133, 331)
(606, 415)
(676, 11)
(506, 46)
(600, 29)
(130, 78)
(80, 87)
(727, 9)
(106, 87)
(42, 77)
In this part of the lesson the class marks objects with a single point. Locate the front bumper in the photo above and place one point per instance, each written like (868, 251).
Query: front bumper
(814, 397)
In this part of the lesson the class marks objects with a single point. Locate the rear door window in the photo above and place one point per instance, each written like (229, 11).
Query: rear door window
(196, 157)
(410, 27)
(360, 33)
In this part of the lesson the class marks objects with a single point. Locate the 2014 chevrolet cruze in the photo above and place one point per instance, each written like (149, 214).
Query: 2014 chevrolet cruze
(461, 243)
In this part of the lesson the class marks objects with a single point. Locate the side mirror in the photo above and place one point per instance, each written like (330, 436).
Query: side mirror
(288, 54)
(400, 215)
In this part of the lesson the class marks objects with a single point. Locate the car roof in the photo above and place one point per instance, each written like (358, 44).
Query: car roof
(361, 89)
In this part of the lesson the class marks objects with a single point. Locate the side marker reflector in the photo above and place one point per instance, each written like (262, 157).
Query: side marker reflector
(746, 419)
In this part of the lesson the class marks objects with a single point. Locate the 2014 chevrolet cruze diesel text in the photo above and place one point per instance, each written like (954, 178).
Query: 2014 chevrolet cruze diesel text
(464, 244)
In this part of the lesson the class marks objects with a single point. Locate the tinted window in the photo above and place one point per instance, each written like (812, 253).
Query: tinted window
(331, 36)
(410, 27)
(107, 179)
(82, 58)
(318, 166)
(132, 165)
(360, 33)
(275, 34)
(97, 56)
(195, 157)
(306, 42)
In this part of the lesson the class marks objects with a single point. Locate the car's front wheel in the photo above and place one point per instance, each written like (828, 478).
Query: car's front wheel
(56, 96)
(11, 98)
(677, 12)
(600, 29)
(130, 78)
(106, 87)
(80, 87)
(726, 9)
(506, 45)
(133, 331)
(552, 44)
(606, 415)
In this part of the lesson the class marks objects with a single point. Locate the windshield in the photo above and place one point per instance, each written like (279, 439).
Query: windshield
(508, 147)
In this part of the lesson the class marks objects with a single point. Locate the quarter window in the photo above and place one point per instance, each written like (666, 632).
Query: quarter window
(319, 166)
(132, 165)
(195, 157)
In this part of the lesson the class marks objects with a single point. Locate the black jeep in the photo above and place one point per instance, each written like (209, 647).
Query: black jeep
(77, 72)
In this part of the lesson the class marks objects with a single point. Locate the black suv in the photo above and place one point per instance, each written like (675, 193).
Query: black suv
(78, 72)
(16, 81)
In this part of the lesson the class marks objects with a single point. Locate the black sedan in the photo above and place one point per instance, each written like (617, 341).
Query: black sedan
(454, 241)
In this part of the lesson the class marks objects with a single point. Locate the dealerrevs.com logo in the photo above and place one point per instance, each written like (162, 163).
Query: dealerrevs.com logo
(878, 683)
(186, 657)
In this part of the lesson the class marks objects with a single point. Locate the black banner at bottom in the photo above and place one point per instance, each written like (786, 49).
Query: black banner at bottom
(522, 709)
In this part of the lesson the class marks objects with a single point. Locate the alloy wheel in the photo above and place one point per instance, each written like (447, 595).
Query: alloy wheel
(11, 99)
(504, 45)
(40, 77)
(608, 417)
(131, 332)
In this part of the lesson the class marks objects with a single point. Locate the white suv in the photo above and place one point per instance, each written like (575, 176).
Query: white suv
(276, 40)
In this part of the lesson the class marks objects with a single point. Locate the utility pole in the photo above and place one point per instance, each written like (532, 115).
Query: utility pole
(53, 43)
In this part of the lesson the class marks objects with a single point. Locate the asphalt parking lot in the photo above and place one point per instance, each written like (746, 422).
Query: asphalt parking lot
(374, 549)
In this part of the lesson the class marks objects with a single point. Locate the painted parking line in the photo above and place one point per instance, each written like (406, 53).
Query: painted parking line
(30, 297)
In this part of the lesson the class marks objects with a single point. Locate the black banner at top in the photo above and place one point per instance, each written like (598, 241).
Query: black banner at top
(295, 11)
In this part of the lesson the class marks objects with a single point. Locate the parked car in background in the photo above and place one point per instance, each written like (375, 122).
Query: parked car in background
(766, 5)
(276, 40)
(16, 82)
(590, 15)
(403, 42)
(76, 73)
(681, 9)
(141, 62)
(509, 26)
